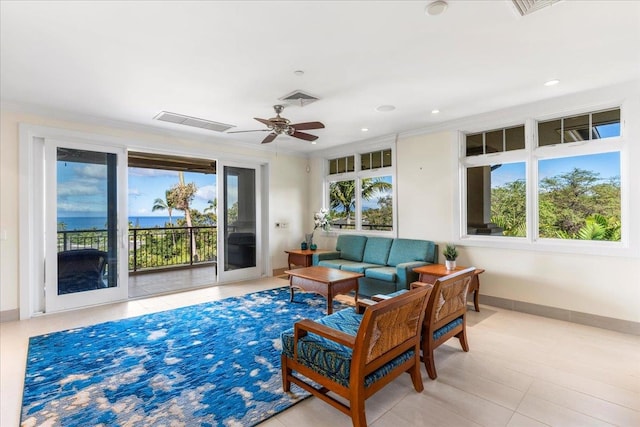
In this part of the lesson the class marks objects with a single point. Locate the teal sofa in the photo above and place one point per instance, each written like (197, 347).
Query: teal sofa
(387, 263)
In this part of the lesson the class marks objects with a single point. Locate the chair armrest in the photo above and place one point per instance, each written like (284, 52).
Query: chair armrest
(304, 326)
(315, 258)
(362, 304)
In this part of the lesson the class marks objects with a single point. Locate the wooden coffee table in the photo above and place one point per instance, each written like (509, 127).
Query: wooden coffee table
(328, 282)
(431, 272)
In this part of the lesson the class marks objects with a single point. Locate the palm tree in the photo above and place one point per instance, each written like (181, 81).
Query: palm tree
(342, 194)
(160, 205)
(180, 196)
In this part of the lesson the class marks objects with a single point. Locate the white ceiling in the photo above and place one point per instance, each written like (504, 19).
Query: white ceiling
(124, 62)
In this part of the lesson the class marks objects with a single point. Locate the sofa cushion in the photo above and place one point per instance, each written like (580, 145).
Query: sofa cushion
(351, 247)
(357, 267)
(331, 359)
(376, 251)
(405, 250)
(382, 273)
(333, 263)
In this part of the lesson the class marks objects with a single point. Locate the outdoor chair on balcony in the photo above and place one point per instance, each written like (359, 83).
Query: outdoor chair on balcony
(81, 270)
(355, 355)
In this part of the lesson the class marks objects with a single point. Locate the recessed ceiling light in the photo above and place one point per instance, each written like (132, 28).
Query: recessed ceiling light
(298, 73)
(385, 108)
(436, 111)
(552, 82)
(436, 7)
(365, 129)
(314, 142)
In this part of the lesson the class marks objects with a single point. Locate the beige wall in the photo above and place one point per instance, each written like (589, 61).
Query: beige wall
(287, 184)
(596, 284)
(427, 184)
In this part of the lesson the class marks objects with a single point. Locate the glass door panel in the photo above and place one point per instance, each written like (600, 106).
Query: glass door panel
(82, 191)
(241, 237)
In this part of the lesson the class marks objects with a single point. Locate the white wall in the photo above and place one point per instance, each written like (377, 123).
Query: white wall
(287, 185)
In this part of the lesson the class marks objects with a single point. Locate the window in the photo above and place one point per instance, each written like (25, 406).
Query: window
(561, 181)
(360, 191)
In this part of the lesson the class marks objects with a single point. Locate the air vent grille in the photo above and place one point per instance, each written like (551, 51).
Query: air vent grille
(300, 98)
(525, 7)
(195, 122)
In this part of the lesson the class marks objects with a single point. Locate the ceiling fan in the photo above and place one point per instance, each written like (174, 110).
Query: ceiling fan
(280, 126)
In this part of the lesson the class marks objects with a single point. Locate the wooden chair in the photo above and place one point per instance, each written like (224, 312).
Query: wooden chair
(355, 355)
(446, 314)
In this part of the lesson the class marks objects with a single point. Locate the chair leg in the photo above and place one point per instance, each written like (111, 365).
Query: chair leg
(358, 415)
(429, 362)
(416, 377)
(462, 336)
(286, 372)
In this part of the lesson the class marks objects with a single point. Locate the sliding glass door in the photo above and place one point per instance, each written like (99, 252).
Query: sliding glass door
(240, 214)
(85, 225)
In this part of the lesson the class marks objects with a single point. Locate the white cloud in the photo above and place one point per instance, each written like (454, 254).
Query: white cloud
(70, 189)
(206, 193)
(134, 192)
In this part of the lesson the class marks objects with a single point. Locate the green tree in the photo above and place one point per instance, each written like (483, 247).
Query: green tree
(180, 197)
(161, 205)
(509, 207)
(342, 194)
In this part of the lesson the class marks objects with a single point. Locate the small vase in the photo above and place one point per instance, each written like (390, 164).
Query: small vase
(303, 246)
(313, 247)
(450, 265)
(308, 238)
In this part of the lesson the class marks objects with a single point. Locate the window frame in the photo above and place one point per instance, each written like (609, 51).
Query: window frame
(531, 155)
(358, 175)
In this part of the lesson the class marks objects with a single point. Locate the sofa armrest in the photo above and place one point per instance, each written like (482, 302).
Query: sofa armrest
(324, 255)
(406, 275)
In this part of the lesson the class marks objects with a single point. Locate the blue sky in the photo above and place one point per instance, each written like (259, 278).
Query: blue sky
(606, 164)
(82, 190)
(146, 185)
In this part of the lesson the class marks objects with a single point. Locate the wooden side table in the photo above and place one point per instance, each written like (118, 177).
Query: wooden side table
(302, 257)
(430, 273)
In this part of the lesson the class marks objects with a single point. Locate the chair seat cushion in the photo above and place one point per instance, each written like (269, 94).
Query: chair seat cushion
(331, 359)
(382, 273)
(446, 328)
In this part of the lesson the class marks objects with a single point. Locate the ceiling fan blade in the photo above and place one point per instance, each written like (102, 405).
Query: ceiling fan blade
(308, 126)
(255, 130)
(305, 136)
(264, 121)
(269, 138)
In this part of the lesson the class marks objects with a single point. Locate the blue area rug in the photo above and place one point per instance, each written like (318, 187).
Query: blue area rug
(212, 364)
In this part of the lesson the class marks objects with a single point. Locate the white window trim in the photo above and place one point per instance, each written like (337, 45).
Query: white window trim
(531, 155)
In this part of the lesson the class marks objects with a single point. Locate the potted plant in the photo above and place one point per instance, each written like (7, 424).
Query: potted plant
(450, 254)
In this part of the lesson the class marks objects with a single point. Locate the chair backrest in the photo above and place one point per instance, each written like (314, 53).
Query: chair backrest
(448, 299)
(81, 261)
(390, 328)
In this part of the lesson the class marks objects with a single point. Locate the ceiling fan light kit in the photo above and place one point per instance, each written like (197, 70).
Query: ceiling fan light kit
(281, 126)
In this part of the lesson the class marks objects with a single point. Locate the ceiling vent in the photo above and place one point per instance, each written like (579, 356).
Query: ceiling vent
(195, 122)
(526, 7)
(300, 98)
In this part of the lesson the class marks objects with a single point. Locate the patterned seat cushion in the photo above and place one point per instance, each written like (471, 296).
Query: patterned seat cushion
(333, 360)
(446, 328)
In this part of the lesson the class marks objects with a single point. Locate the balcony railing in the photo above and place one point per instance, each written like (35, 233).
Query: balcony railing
(152, 248)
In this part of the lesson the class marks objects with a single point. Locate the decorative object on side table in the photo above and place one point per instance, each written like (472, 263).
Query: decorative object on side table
(303, 246)
(450, 255)
(321, 219)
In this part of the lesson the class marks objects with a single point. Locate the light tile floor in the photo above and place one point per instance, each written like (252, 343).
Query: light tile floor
(522, 370)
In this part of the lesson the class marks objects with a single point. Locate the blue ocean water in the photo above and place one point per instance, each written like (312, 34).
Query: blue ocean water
(89, 223)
